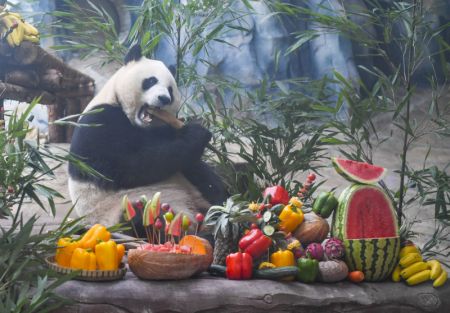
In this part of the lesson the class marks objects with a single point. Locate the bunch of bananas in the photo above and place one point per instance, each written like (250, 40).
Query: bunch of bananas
(414, 270)
(15, 30)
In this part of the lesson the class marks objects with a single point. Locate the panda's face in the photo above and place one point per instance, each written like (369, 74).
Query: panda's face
(143, 86)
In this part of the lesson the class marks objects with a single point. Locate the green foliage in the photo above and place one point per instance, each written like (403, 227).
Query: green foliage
(398, 36)
(26, 285)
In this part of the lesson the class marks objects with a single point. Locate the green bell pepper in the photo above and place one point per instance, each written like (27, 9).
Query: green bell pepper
(308, 269)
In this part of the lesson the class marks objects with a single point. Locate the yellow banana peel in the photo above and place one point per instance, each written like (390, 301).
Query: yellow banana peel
(408, 249)
(438, 282)
(418, 278)
(413, 269)
(435, 267)
(409, 259)
(396, 274)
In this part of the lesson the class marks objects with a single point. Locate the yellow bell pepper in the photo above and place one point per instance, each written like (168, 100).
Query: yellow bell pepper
(90, 239)
(120, 253)
(83, 259)
(282, 258)
(64, 251)
(290, 217)
(106, 253)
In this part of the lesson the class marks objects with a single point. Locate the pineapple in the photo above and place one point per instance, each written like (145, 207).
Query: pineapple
(226, 222)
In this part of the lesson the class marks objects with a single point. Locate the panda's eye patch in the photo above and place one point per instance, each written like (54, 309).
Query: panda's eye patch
(171, 92)
(149, 83)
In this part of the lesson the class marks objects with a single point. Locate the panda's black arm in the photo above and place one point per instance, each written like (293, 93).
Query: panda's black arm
(132, 156)
(159, 158)
(204, 178)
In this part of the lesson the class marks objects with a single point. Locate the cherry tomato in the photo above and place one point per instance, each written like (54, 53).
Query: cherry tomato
(311, 177)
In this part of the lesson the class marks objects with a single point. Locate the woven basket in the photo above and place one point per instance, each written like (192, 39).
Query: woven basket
(97, 275)
(166, 266)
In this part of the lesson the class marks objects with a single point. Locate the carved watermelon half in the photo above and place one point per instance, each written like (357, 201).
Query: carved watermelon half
(365, 221)
(358, 172)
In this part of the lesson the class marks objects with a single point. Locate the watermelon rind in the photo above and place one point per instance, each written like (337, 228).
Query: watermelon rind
(353, 178)
(375, 257)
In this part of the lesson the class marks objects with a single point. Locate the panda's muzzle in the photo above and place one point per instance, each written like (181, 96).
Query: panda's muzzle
(145, 114)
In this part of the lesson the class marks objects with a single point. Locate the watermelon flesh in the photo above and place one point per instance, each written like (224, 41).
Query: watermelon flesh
(359, 172)
(369, 215)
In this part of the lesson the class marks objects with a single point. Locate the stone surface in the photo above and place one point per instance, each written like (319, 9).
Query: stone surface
(210, 294)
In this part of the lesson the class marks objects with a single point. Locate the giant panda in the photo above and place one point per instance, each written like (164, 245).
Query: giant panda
(136, 153)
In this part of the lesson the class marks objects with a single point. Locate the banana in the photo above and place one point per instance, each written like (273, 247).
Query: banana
(30, 29)
(23, 31)
(413, 269)
(435, 267)
(438, 282)
(408, 249)
(419, 277)
(16, 36)
(31, 38)
(409, 259)
(396, 274)
(16, 15)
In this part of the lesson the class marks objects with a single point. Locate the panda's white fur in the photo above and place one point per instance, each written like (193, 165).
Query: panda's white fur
(124, 89)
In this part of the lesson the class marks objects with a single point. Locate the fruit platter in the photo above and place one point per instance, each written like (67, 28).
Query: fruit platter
(289, 237)
(303, 237)
(170, 253)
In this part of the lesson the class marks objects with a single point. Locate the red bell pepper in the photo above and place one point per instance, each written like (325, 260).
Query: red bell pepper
(277, 195)
(255, 243)
(239, 266)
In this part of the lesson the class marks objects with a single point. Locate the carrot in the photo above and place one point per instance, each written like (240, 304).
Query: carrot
(356, 276)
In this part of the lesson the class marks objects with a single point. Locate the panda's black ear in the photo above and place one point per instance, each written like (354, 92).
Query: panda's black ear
(134, 54)
(173, 70)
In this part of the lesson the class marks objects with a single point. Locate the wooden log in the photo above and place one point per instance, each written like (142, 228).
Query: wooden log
(131, 295)
(82, 91)
(29, 53)
(56, 133)
(19, 93)
(51, 79)
(72, 108)
(22, 77)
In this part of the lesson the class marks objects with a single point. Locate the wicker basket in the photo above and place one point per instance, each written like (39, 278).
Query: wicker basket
(97, 275)
(166, 266)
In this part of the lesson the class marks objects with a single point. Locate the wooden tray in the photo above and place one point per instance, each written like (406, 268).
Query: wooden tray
(97, 275)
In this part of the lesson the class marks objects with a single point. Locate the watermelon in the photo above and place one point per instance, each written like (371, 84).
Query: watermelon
(128, 209)
(152, 210)
(366, 223)
(175, 225)
(358, 172)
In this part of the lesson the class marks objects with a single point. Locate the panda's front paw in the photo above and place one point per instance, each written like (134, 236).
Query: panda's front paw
(196, 133)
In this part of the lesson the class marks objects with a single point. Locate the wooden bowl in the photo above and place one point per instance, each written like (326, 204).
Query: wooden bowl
(153, 265)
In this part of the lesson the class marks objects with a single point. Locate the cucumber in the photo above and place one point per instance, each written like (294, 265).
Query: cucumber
(217, 270)
(276, 273)
(267, 216)
(276, 209)
(268, 230)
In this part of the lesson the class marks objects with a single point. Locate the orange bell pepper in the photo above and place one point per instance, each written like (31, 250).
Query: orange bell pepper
(290, 217)
(64, 251)
(83, 259)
